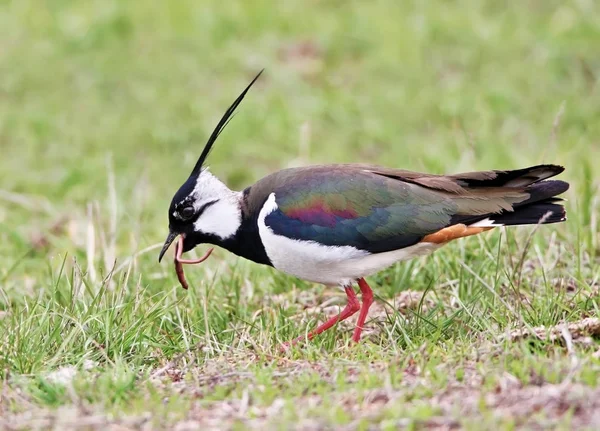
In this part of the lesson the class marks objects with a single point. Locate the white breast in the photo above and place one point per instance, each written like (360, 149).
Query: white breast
(327, 264)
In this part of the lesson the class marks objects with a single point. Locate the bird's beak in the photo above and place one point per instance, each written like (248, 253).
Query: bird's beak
(168, 241)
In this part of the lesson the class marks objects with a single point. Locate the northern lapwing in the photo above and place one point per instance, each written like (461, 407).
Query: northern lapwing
(337, 224)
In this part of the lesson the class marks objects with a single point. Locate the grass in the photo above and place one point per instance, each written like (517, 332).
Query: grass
(104, 107)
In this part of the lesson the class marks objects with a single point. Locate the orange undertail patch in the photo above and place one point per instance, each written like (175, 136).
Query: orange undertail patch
(453, 232)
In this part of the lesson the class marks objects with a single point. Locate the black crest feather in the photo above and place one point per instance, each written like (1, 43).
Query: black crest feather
(220, 126)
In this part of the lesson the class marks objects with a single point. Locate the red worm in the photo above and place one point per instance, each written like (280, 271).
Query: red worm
(179, 261)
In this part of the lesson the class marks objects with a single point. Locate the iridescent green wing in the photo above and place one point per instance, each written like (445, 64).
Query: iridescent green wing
(338, 207)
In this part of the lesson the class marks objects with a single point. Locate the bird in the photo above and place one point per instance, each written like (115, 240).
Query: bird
(337, 224)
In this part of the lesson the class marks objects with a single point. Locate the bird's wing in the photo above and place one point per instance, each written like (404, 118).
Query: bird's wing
(378, 210)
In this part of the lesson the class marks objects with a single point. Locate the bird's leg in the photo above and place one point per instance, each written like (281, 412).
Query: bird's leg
(352, 307)
(367, 300)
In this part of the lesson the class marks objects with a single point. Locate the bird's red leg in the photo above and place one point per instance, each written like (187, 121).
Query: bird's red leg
(352, 307)
(367, 300)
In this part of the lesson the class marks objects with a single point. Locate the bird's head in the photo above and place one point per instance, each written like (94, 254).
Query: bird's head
(204, 209)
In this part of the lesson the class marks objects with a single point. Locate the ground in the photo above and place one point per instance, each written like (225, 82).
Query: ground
(104, 108)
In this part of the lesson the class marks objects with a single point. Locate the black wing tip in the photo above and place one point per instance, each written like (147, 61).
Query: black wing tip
(546, 189)
(546, 212)
(221, 125)
(556, 169)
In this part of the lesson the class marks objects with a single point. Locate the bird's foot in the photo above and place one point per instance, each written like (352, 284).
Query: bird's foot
(352, 307)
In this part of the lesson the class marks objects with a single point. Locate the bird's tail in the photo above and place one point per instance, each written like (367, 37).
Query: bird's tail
(542, 207)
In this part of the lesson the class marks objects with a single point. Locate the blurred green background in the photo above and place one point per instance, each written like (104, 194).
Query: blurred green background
(437, 86)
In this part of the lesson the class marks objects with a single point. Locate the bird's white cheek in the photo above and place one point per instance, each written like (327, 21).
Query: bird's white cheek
(222, 219)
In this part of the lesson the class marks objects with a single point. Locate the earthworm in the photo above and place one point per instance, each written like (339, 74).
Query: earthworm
(179, 261)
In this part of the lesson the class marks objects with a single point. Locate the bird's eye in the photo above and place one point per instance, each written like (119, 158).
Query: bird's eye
(187, 212)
